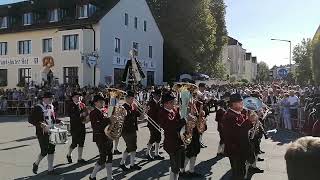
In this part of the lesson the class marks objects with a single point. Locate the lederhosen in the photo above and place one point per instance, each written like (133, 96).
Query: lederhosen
(130, 127)
(44, 114)
(173, 145)
(155, 135)
(77, 128)
(105, 145)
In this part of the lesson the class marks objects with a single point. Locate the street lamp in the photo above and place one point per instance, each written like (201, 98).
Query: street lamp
(290, 48)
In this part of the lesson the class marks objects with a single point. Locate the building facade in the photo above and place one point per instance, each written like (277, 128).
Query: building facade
(77, 42)
(236, 55)
(250, 68)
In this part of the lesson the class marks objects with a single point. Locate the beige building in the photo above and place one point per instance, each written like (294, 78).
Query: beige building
(250, 68)
(236, 55)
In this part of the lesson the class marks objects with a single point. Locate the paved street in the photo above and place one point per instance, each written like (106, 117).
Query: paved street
(19, 147)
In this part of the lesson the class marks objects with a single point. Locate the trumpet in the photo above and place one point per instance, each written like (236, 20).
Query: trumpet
(142, 110)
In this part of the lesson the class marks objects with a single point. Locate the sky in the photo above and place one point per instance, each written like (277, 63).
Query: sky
(255, 22)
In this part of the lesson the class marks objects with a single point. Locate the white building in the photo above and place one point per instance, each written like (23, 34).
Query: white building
(63, 40)
(250, 67)
(236, 55)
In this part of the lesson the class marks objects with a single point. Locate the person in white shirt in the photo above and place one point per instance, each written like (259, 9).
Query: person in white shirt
(293, 104)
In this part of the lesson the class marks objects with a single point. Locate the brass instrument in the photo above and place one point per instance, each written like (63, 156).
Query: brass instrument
(201, 122)
(142, 110)
(116, 113)
(188, 109)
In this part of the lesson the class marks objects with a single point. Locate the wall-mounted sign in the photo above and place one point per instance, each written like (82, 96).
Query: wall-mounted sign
(92, 61)
(19, 61)
(283, 72)
(122, 61)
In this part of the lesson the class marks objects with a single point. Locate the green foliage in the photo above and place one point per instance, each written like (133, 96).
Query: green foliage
(244, 81)
(263, 72)
(316, 60)
(302, 55)
(194, 33)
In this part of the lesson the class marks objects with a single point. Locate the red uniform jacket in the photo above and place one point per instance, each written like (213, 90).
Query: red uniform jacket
(235, 131)
(219, 118)
(98, 123)
(171, 123)
(153, 112)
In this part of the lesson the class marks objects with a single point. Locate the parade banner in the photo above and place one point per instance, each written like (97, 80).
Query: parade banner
(19, 61)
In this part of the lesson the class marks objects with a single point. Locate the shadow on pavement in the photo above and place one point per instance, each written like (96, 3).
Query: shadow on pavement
(155, 172)
(6, 119)
(14, 147)
(284, 137)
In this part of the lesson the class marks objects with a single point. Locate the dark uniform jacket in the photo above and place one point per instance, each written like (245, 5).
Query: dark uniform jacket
(98, 123)
(130, 124)
(153, 112)
(235, 131)
(171, 123)
(219, 118)
(37, 118)
(74, 111)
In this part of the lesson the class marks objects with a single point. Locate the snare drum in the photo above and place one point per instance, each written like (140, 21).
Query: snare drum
(58, 136)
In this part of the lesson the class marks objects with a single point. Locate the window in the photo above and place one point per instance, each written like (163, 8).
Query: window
(117, 45)
(150, 52)
(47, 45)
(27, 19)
(3, 48)
(136, 22)
(92, 9)
(126, 19)
(150, 78)
(145, 26)
(53, 15)
(135, 47)
(24, 47)
(117, 74)
(70, 75)
(3, 77)
(3, 22)
(24, 75)
(70, 42)
(82, 11)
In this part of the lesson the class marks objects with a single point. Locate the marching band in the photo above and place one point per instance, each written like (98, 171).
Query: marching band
(178, 114)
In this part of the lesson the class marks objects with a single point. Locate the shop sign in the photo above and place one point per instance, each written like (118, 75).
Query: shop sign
(19, 61)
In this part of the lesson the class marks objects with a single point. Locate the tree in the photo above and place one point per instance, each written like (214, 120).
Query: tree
(193, 33)
(302, 55)
(316, 59)
(263, 72)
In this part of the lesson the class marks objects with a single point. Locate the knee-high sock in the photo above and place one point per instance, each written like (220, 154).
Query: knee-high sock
(148, 149)
(96, 169)
(39, 159)
(157, 147)
(109, 171)
(50, 158)
(200, 138)
(70, 151)
(116, 143)
(132, 158)
(124, 157)
(186, 161)
(80, 151)
(174, 176)
(192, 164)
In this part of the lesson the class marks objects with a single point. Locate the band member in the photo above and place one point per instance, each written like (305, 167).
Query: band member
(99, 122)
(235, 131)
(171, 124)
(193, 149)
(155, 135)
(204, 99)
(77, 112)
(219, 118)
(129, 132)
(43, 118)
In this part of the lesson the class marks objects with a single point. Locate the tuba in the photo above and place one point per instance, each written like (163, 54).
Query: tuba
(116, 113)
(201, 122)
(188, 110)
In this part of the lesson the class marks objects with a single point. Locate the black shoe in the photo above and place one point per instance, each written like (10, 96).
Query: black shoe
(116, 152)
(261, 152)
(124, 167)
(69, 159)
(52, 173)
(90, 178)
(159, 158)
(135, 167)
(260, 159)
(184, 174)
(194, 174)
(82, 161)
(220, 155)
(150, 158)
(255, 170)
(35, 168)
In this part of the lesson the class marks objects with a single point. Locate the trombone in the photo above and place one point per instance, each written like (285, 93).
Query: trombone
(149, 119)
